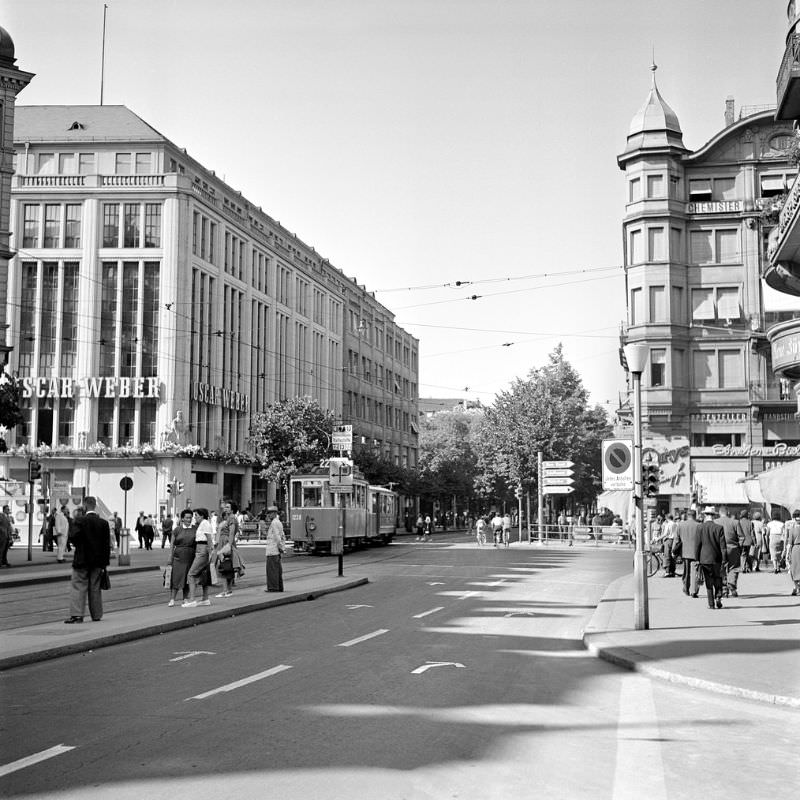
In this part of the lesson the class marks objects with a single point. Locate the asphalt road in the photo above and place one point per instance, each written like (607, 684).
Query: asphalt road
(457, 672)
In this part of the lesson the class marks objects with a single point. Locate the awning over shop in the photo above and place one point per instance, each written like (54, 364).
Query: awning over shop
(781, 486)
(722, 487)
(618, 501)
(752, 488)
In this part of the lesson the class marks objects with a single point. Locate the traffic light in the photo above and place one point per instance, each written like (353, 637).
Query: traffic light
(34, 470)
(652, 480)
(169, 487)
(518, 493)
(181, 487)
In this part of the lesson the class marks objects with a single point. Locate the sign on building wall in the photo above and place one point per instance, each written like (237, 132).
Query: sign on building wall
(220, 396)
(90, 387)
(672, 456)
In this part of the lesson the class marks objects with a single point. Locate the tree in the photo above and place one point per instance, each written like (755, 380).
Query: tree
(289, 436)
(548, 411)
(10, 413)
(447, 459)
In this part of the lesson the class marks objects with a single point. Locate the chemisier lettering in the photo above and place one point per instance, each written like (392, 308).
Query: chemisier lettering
(90, 387)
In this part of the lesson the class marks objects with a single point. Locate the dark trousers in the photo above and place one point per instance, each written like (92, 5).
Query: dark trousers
(712, 573)
(86, 582)
(689, 576)
(669, 559)
(274, 574)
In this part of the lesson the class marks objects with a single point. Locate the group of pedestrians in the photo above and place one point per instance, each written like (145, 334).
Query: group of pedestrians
(498, 526)
(716, 550)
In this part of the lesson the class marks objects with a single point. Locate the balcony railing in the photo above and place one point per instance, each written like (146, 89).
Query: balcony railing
(789, 71)
(772, 390)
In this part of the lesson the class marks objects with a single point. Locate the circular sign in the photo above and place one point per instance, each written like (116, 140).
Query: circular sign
(126, 484)
(618, 458)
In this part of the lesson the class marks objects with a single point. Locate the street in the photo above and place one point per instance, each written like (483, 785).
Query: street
(456, 672)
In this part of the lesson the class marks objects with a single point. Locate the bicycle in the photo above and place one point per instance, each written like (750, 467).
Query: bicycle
(654, 561)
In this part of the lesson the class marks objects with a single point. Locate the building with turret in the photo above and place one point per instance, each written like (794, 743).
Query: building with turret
(694, 230)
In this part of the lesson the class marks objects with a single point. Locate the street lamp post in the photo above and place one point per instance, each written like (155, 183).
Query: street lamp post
(636, 357)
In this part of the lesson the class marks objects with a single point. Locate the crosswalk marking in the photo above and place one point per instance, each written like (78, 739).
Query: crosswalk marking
(638, 742)
(21, 763)
(364, 638)
(426, 613)
(229, 687)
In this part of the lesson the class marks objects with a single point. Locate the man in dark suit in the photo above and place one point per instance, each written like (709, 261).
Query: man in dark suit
(711, 553)
(91, 540)
(685, 544)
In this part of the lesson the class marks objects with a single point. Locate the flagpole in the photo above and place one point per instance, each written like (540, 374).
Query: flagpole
(103, 54)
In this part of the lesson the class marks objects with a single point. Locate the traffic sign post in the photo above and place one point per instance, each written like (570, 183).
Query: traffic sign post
(342, 438)
(618, 472)
(557, 477)
(124, 558)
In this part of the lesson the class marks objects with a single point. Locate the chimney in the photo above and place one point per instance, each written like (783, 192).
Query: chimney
(729, 112)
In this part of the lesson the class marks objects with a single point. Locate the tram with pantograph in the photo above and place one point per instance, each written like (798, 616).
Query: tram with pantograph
(364, 515)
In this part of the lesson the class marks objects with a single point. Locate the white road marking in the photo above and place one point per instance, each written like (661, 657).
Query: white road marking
(182, 654)
(358, 605)
(364, 638)
(425, 613)
(229, 687)
(436, 583)
(466, 595)
(520, 614)
(433, 664)
(638, 742)
(21, 763)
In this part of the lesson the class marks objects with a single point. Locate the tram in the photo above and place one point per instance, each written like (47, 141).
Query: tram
(367, 514)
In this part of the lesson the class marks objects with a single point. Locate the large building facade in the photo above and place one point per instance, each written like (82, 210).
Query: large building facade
(153, 309)
(694, 231)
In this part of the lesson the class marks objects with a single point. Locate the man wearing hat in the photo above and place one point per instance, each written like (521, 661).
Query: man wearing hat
(710, 552)
(687, 536)
(276, 544)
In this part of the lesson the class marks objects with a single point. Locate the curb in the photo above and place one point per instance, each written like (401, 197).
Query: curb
(23, 659)
(38, 579)
(636, 662)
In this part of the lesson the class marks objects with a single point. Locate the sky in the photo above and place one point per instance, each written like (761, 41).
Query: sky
(434, 150)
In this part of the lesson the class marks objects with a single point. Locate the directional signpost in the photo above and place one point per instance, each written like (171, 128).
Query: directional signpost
(557, 477)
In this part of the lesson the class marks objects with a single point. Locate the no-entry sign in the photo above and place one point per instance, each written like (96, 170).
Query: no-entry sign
(617, 464)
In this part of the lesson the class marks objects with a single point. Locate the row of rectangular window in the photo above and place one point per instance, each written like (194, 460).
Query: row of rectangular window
(706, 246)
(708, 303)
(128, 163)
(359, 406)
(712, 368)
(705, 189)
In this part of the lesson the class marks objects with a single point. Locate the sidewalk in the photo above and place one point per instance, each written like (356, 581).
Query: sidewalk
(750, 648)
(19, 646)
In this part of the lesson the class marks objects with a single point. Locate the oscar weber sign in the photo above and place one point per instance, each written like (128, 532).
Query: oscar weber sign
(90, 387)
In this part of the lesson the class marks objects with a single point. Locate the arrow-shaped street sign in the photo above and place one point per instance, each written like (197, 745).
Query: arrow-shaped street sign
(432, 664)
(558, 464)
(557, 473)
(548, 481)
(558, 489)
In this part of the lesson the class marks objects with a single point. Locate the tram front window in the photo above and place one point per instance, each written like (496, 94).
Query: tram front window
(312, 497)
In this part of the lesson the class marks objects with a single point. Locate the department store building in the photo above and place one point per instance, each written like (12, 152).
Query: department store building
(153, 309)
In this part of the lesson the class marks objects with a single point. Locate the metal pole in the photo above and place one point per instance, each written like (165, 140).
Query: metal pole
(540, 482)
(519, 514)
(30, 522)
(103, 55)
(641, 617)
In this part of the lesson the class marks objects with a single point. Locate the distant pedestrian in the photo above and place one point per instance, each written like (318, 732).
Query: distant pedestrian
(149, 531)
(480, 531)
(497, 529)
(506, 529)
(92, 554)
(687, 536)
(427, 528)
(758, 543)
(667, 541)
(6, 535)
(747, 538)
(420, 527)
(733, 563)
(775, 536)
(276, 544)
(139, 528)
(61, 526)
(711, 554)
(116, 524)
(166, 530)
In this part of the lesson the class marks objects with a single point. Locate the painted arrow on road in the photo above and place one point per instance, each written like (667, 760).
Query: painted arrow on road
(432, 664)
(189, 653)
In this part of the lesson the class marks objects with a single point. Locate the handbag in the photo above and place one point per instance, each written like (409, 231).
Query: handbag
(166, 579)
(105, 581)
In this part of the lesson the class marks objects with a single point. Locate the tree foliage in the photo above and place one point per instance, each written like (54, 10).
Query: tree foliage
(290, 436)
(10, 413)
(381, 471)
(548, 411)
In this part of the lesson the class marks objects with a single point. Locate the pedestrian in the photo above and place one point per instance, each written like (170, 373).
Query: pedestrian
(775, 538)
(48, 531)
(139, 528)
(747, 539)
(420, 527)
(276, 544)
(198, 572)
(711, 554)
(181, 555)
(506, 529)
(480, 531)
(61, 527)
(427, 528)
(759, 532)
(229, 523)
(562, 524)
(116, 524)
(166, 530)
(92, 555)
(687, 535)
(497, 528)
(793, 553)
(667, 542)
(6, 535)
(149, 531)
(224, 556)
(733, 564)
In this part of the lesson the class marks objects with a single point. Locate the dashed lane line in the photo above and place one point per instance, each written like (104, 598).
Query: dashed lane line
(21, 763)
(426, 613)
(364, 638)
(229, 687)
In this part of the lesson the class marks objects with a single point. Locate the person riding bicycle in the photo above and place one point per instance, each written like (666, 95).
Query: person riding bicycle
(480, 531)
(506, 529)
(497, 528)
